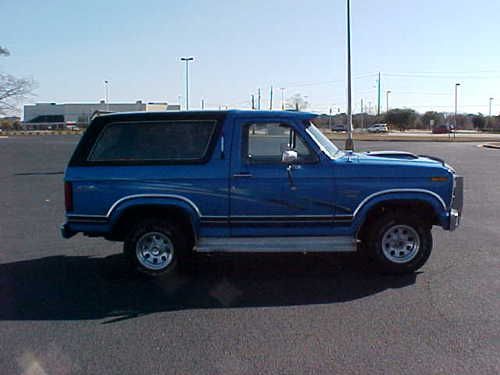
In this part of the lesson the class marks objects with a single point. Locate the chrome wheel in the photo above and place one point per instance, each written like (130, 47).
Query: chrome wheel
(400, 243)
(154, 250)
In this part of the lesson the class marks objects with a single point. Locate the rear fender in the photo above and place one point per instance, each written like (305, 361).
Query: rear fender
(188, 206)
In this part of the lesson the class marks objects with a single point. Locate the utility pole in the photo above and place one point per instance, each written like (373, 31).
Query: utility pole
(349, 144)
(362, 115)
(378, 95)
(271, 99)
(202, 104)
(387, 99)
(282, 98)
(253, 101)
(258, 99)
(330, 120)
(489, 115)
(187, 60)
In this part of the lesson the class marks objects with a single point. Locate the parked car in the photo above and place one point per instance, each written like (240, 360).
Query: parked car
(442, 129)
(173, 184)
(339, 128)
(378, 128)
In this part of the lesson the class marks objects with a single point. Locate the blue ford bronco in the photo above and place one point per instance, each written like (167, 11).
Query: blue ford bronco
(173, 184)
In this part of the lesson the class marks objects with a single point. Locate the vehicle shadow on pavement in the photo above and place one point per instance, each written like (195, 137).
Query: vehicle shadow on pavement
(81, 287)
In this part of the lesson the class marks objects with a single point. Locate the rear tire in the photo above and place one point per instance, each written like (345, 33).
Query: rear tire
(155, 246)
(399, 243)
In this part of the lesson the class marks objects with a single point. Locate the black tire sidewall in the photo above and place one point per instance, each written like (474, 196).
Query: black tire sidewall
(154, 225)
(385, 223)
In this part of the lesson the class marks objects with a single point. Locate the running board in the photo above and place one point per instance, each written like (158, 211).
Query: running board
(276, 245)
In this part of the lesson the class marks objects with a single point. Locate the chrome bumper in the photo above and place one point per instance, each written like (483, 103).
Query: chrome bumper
(457, 202)
(454, 219)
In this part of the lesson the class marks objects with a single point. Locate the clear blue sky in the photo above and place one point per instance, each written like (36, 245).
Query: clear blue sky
(71, 47)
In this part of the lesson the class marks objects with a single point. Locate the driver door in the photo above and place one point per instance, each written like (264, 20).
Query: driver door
(271, 198)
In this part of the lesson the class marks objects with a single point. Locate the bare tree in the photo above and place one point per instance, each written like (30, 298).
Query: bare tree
(297, 102)
(4, 51)
(12, 89)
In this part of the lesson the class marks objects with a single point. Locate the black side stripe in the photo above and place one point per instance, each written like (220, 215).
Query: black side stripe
(276, 219)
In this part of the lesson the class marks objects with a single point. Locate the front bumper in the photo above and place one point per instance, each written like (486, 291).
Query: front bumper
(454, 219)
(457, 202)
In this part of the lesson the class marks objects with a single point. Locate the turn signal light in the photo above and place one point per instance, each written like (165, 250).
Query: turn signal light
(439, 179)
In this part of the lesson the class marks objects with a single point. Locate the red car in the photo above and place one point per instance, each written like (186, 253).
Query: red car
(442, 129)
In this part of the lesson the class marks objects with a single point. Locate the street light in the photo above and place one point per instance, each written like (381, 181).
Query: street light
(349, 144)
(387, 99)
(491, 100)
(106, 95)
(187, 60)
(456, 105)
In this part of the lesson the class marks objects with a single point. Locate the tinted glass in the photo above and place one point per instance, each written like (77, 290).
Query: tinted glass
(159, 141)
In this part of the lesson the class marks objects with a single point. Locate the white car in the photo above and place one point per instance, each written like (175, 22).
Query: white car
(378, 128)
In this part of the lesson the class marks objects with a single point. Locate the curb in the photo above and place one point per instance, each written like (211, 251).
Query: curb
(41, 133)
(416, 139)
(491, 145)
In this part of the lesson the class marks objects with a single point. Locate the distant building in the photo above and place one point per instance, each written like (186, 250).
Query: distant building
(47, 113)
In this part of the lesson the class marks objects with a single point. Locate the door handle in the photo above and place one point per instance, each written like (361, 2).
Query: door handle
(243, 174)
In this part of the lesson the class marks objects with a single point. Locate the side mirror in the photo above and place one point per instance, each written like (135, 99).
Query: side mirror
(289, 157)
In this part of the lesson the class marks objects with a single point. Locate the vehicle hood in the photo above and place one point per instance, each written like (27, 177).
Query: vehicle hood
(398, 157)
(393, 161)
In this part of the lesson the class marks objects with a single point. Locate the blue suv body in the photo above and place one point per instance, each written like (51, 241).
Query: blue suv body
(172, 183)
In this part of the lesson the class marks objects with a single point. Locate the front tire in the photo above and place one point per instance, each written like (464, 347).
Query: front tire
(399, 243)
(154, 246)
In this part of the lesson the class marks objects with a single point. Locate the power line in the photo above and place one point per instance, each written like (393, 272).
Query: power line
(431, 76)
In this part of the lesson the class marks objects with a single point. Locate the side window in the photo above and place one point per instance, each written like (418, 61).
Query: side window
(169, 141)
(267, 141)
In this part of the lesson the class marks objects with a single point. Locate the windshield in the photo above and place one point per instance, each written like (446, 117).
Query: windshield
(322, 141)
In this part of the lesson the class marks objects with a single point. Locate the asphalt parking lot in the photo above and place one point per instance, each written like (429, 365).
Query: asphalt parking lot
(68, 306)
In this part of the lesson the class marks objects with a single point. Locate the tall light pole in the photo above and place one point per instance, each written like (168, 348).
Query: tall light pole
(456, 105)
(349, 144)
(106, 97)
(378, 93)
(490, 102)
(271, 99)
(187, 60)
(282, 98)
(387, 99)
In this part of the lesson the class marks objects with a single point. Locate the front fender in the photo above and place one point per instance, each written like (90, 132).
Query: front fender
(412, 195)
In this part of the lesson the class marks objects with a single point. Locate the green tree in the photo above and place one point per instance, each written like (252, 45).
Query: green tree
(401, 118)
(436, 117)
(479, 121)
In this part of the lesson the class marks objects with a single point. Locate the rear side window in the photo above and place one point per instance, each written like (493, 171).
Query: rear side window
(165, 141)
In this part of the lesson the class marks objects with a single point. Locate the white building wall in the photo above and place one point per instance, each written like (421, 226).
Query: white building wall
(74, 112)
